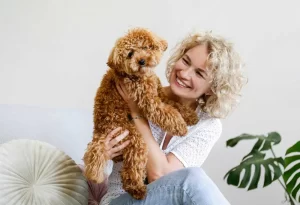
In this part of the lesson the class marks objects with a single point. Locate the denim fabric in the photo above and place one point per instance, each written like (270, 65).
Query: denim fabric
(189, 186)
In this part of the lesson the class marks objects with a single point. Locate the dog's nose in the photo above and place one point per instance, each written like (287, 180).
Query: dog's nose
(142, 62)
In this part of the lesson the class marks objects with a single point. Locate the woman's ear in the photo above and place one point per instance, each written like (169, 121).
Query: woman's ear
(208, 93)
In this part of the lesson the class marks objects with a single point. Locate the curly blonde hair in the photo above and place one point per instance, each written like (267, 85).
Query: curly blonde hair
(225, 68)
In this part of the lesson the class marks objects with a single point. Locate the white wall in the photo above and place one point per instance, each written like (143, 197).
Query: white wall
(53, 54)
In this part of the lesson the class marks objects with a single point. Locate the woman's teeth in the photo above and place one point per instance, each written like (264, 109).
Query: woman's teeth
(181, 83)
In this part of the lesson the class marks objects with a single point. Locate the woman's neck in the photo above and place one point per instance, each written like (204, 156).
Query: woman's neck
(188, 102)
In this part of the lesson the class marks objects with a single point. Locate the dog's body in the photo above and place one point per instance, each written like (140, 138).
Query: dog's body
(132, 64)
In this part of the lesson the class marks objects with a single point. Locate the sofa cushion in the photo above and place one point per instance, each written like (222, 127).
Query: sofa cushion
(34, 172)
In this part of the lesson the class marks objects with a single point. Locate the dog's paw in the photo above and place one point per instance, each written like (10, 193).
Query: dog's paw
(189, 115)
(94, 176)
(179, 130)
(96, 180)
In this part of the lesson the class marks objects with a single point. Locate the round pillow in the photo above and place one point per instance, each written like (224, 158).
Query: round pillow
(35, 173)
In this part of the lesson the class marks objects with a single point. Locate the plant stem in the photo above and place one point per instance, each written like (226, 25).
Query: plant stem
(291, 199)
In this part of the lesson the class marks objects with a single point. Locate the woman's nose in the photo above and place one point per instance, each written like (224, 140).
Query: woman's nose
(186, 73)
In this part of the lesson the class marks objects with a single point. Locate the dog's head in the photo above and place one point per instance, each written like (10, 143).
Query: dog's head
(137, 52)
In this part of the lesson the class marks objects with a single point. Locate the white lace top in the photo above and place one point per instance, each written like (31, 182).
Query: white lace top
(191, 150)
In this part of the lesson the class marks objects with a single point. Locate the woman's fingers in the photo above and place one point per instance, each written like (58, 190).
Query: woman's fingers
(120, 90)
(110, 143)
(111, 134)
(117, 139)
(119, 148)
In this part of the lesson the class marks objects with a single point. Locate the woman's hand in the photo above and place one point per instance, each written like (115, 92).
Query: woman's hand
(110, 144)
(125, 95)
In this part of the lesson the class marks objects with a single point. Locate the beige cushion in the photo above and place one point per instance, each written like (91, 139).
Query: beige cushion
(36, 173)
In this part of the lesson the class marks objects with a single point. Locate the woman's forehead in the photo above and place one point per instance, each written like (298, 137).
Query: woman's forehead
(198, 55)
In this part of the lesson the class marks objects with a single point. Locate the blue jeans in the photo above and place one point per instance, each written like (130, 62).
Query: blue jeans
(189, 186)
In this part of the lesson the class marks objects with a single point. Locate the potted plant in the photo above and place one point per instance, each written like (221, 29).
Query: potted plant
(283, 169)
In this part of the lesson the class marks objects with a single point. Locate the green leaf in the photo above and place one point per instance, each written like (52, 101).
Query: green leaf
(257, 161)
(263, 142)
(268, 175)
(290, 175)
(294, 148)
(246, 178)
(295, 191)
(234, 141)
(255, 178)
(272, 137)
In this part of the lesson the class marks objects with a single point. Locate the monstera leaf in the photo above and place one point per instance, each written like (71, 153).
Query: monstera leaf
(292, 174)
(263, 143)
(248, 173)
(257, 161)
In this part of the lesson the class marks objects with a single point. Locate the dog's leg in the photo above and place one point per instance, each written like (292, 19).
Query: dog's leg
(189, 115)
(133, 172)
(154, 109)
(95, 160)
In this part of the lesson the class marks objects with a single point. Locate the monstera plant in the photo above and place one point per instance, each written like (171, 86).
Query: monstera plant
(285, 170)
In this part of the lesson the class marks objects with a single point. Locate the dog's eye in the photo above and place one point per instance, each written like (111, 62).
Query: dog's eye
(130, 54)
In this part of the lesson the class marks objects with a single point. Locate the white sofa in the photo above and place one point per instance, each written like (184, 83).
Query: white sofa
(68, 130)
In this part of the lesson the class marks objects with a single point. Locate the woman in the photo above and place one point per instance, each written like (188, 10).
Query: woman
(204, 73)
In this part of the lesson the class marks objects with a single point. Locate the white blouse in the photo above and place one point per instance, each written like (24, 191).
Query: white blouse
(191, 150)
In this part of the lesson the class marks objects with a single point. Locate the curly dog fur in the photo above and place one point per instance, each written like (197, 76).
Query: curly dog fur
(132, 61)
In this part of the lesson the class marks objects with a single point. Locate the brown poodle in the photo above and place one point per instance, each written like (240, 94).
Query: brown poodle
(132, 61)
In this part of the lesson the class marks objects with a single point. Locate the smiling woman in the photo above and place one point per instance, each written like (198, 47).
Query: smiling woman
(189, 77)
(208, 62)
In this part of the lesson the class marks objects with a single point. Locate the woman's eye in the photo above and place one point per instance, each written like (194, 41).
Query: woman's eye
(199, 73)
(145, 48)
(185, 61)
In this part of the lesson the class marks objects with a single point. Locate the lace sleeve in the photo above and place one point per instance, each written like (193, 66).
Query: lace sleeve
(193, 151)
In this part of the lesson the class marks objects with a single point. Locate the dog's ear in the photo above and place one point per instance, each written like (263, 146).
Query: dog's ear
(164, 44)
(111, 62)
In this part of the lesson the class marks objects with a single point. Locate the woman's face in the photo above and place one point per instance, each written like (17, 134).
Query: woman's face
(189, 78)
